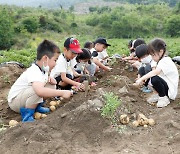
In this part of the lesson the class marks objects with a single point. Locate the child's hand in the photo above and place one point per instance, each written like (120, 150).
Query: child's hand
(139, 82)
(80, 86)
(109, 68)
(66, 94)
(52, 81)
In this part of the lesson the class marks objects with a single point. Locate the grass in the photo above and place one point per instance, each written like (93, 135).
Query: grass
(25, 49)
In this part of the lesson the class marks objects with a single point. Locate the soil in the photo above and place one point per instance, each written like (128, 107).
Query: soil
(78, 127)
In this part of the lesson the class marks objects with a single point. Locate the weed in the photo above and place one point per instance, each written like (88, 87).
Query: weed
(6, 78)
(111, 104)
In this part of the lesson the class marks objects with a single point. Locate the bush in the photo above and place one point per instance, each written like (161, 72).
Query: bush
(6, 30)
(173, 26)
(30, 24)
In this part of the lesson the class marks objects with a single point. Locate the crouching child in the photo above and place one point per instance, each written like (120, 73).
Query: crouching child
(34, 85)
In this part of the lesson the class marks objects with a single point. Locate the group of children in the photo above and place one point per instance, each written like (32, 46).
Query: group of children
(55, 74)
(156, 71)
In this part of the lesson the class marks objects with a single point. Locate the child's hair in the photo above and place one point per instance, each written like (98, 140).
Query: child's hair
(88, 44)
(141, 50)
(86, 54)
(137, 42)
(156, 45)
(47, 48)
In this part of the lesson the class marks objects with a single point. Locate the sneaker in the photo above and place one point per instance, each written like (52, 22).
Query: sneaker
(163, 101)
(154, 98)
(146, 89)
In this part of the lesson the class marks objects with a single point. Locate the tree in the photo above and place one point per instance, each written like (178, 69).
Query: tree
(30, 24)
(173, 26)
(6, 30)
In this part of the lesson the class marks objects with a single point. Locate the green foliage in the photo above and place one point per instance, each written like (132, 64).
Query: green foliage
(25, 57)
(30, 24)
(6, 29)
(111, 104)
(173, 26)
(131, 21)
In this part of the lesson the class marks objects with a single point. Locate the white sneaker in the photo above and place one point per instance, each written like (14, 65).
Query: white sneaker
(153, 98)
(163, 101)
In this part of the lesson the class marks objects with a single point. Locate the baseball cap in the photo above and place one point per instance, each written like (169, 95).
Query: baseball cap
(73, 45)
(102, 41)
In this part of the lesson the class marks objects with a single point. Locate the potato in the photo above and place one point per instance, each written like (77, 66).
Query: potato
(151, 122)
(53, 103)
(52, 108)
(145, 126)
(124, 119)
(37, 115)
(43, 115)
(142, 119)
(58, 102)
(141, 116)
(13, 123)
(135, 123)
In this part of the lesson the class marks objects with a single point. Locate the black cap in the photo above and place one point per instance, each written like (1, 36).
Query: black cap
(141, 50)
(102, 41)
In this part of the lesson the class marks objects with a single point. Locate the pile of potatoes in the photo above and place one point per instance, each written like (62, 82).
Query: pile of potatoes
(37, 115)
(142, 120)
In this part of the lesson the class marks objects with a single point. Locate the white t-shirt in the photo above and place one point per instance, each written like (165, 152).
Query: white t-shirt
(63, 66)
(102, 55)
(170, 74)
(32, 74)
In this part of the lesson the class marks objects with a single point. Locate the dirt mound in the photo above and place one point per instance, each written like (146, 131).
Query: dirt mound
(78, 127)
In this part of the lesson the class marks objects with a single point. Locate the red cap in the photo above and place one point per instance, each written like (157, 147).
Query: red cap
(73, 45)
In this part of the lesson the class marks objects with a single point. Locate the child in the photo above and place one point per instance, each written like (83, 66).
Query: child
(147, 64)
(64, 72)
(132, 57)
(100, 45)
(89, 45)
(27, 93)
(103, 57)
(164, 78)
(84, 64)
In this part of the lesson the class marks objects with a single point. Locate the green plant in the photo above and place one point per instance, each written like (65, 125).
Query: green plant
(6, 78)
(6, 30)
(112, 102)
(31, 24)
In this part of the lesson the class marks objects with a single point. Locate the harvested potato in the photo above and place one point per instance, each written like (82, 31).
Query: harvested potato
(142, 119)
(53, 103)
(37, 115)
(124, 119)
(151, 122)
(58, 102)
(141, 116)
(145, 126)
(135, 123)
(52, 108)
(43, 115)
(13, 123)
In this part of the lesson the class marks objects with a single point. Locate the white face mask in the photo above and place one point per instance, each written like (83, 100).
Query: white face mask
(146, 60)
(45, 68)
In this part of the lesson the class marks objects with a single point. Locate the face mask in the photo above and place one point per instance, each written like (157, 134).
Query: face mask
(45, 68)
(146, 60)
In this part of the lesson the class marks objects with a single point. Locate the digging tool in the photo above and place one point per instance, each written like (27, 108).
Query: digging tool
(86, 85)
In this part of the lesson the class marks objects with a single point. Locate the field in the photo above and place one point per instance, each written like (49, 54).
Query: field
(90, 123)
(86, 125)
